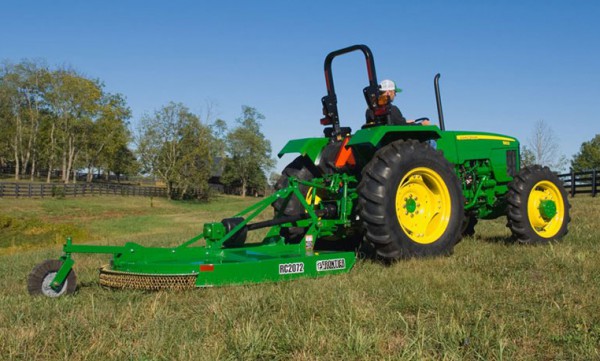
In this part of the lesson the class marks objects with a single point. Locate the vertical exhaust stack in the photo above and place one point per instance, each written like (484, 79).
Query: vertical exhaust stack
(438, 99)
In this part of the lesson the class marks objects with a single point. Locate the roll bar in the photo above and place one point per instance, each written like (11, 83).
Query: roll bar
(371, 92)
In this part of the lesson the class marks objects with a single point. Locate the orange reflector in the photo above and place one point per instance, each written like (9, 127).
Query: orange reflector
(345, 156)
(207, 267)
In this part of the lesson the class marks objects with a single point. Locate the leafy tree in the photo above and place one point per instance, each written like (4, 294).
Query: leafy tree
(218, 150)
(219, 131)
(21, 91)
(58, 116)
(174, 146)
(124, 161)
(6, 119)
(249, 153)
(108, 135)
(588, 156)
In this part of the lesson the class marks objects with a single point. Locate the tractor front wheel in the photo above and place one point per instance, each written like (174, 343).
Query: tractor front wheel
(538, 209)
(410, 201)
(42, 275)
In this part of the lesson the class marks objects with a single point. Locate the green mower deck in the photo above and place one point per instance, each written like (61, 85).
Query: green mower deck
(135, 266)
(225, 259)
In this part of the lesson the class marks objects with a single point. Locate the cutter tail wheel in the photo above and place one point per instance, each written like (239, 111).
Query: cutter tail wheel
(538, 208)
(40, 279)
(411, 202)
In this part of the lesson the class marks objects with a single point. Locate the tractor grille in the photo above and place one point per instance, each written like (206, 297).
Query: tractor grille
(511, 163)
(139, 281)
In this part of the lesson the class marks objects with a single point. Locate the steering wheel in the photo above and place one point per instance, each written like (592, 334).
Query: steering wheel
(421, 120)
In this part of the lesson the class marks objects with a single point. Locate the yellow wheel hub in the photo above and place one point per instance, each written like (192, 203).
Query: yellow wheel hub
(423, 205)
(545, 209)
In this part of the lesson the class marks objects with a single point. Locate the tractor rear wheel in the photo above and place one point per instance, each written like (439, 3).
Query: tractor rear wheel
(302, 168)
(411, 202)
(538, 208)
(42, 275)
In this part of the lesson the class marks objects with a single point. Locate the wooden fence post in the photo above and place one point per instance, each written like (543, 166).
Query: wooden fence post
(594, 183)
(572, 183)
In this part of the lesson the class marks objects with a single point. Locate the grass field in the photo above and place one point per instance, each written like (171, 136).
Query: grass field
(489, 301)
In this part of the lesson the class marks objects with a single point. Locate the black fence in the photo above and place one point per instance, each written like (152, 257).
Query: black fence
(581, 182)
(13, 189)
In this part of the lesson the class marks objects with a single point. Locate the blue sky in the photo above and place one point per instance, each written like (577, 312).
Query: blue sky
(504, 64)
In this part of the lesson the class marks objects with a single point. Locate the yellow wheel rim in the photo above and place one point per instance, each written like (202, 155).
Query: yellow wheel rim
(545, 209)
(423, 205)
(312, 197)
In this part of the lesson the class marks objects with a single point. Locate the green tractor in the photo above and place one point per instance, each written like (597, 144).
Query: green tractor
(405, 191)
(422, 188)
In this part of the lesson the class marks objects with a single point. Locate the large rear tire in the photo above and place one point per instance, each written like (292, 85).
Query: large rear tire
(411, 202)
(538, 208)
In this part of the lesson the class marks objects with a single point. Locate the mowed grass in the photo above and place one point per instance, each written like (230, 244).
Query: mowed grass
(489, 301)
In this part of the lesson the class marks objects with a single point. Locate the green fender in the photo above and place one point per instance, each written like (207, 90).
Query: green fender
(310, 147)
(375, 135)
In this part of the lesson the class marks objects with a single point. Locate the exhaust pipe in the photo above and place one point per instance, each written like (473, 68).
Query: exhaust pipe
(438, 99)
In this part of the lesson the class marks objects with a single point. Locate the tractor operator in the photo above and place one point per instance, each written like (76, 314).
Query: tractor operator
(388, 88)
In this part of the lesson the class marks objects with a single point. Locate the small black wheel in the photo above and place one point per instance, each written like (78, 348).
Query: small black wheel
(411, 202)
(538, 208)
(40, 277)
(301, 168)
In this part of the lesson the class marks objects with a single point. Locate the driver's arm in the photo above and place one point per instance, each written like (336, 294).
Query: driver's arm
(425, 122)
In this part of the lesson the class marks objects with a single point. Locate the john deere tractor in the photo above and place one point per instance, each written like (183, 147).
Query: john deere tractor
(403, 190)
(420, 188)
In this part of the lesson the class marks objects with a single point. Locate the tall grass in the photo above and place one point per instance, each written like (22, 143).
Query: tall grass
(489, 301)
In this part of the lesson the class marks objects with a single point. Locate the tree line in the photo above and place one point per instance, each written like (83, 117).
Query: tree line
(175, 146)
(62, 121)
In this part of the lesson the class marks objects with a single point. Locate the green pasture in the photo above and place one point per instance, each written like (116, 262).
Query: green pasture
(491, 300)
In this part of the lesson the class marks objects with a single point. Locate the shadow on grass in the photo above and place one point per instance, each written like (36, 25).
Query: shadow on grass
(496, 239)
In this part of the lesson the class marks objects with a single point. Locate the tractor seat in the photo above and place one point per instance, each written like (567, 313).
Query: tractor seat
(346, 131)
